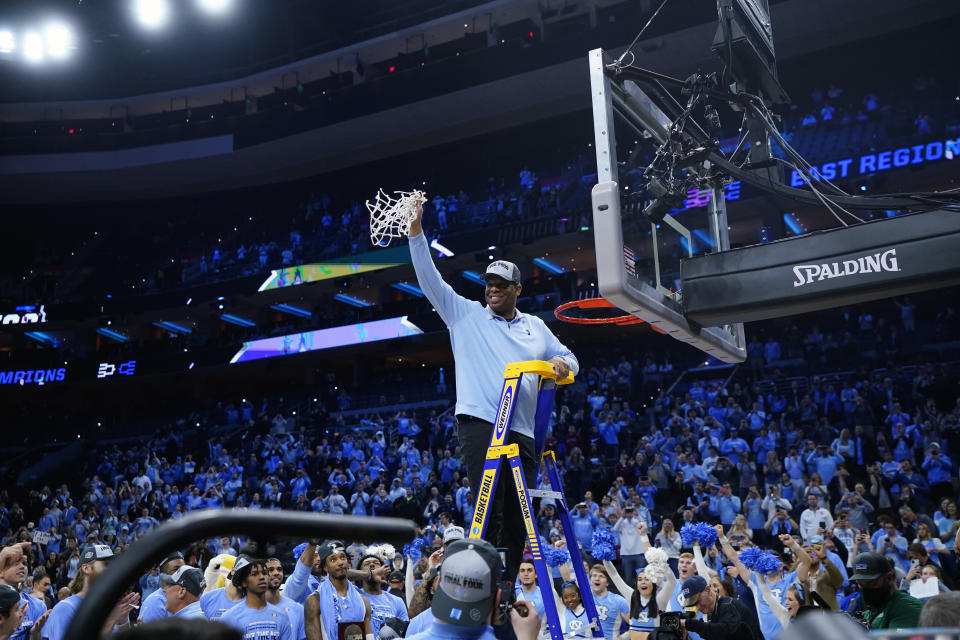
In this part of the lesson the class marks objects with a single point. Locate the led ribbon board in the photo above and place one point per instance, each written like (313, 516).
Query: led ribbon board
(290, 276)
(326, 339)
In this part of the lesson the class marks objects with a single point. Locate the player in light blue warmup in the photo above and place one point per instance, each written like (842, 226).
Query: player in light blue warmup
(383, 605)
(254, 616)
(94, 560)
(527, 587)
(293, 609)
(336, 600)
(216, 602)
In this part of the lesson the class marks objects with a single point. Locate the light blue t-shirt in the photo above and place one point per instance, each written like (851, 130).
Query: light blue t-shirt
(154, 607)
(192, 611)
(421, 622)
(769, 624)
(335, 609)
(59, 619)
(534, 596)
(608, 608)
(484, 343)
(294, 611)
(35, 609)
(215, 603)
(382, 606)
(269, 623)
(442, 631)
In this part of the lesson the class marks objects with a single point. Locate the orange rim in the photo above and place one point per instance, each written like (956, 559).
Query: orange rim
(597, 303)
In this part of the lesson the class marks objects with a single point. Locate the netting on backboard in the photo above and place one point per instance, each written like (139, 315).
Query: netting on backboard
(390, 216)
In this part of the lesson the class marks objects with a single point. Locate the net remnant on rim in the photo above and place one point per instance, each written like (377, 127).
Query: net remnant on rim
(390, 216)
(589, 304)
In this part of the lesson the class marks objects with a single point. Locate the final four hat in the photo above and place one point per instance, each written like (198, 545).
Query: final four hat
(503, 269)
(94, 552)
(469, 577)
(452, 533)
(691, 590)
(190, 578)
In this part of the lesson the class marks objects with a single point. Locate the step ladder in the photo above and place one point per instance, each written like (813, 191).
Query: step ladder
(497, 449)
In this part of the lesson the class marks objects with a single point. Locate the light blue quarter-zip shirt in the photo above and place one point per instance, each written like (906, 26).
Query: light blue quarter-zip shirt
(484, 343)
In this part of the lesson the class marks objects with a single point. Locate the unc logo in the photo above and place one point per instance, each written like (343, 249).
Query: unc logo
(644, 617)
(576, 625)
(602, 612)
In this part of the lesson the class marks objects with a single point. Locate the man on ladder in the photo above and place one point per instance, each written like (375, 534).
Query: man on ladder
(484, 341)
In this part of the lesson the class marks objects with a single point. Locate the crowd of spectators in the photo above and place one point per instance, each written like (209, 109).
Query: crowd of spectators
(850, 461)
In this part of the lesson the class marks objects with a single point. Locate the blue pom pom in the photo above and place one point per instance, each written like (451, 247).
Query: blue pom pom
(750, 557)
(603, 536)
(299, 549)
(412, 550)
(768, 563)
(603, 551)
(688, 534)
(556, 557)
(706, 534)
(700, 532)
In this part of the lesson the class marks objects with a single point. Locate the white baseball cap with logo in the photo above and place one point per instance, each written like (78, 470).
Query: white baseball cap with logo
(469, 578)
(503, 269)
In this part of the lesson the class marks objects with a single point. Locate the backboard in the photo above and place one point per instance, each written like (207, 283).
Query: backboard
(638, 257)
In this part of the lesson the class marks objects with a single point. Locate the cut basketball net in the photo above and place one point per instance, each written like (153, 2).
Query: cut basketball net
(390, 216)
(586, 313)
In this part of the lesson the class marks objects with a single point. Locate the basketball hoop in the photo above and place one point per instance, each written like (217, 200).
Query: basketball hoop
(390, 216)
(586, 304)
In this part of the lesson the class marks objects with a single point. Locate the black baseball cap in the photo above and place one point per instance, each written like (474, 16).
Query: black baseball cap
(9, 598)
(870, 565)
(190, 578)
(469, 578)
(173, 555)
(94, 552)
(329, 548)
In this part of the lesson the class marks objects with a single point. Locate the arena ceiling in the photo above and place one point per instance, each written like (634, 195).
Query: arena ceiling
(116, 55)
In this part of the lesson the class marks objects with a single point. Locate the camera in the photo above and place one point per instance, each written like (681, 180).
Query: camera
(670, 625)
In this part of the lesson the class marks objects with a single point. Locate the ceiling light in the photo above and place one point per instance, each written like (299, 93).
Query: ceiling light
(6, 41)
(33, 46)
(215, 6)
(151, 13)
(59, 41)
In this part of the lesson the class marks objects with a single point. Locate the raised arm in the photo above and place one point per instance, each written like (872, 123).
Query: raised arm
(730, 553)
(618, 582)
(448, 303)
(772, 601)
(803, 559)
(702, 569)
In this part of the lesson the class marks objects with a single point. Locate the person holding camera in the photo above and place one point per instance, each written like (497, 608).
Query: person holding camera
(725, 618)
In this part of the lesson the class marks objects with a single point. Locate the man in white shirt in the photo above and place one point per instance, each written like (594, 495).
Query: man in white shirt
(774, 500)
(630, 550)
(814, 518)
